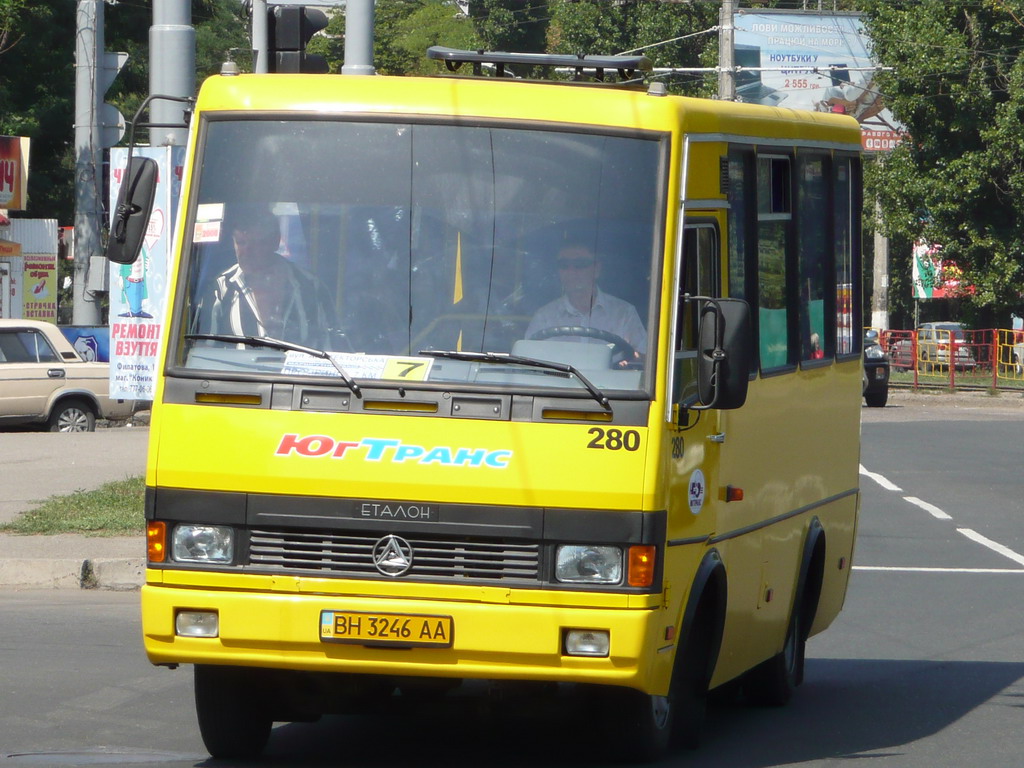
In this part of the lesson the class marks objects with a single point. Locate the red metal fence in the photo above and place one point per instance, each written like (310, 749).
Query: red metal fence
(935, 356)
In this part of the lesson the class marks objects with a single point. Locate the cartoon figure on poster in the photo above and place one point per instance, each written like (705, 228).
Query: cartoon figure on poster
(132, 277)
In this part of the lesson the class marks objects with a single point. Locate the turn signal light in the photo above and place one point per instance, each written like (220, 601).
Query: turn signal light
(641, 566)
(156, 541)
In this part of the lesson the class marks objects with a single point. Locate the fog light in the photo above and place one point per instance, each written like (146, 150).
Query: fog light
(197, 624)
(587, 642)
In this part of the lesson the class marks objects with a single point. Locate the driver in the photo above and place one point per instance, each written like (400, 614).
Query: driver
(583, 303)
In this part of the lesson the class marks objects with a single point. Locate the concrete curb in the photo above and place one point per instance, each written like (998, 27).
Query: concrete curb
(117, 574)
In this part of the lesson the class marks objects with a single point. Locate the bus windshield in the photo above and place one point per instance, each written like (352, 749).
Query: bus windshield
(378, 242)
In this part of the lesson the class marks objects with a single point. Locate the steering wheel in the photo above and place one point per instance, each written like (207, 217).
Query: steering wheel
(621, 349)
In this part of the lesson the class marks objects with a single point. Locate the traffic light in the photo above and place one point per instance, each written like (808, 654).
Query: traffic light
(289, 28)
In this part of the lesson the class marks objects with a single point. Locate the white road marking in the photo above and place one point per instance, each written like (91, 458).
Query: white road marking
(993, 545)
(915, 569)
(931, 509)
(884, 482)
(939, 514)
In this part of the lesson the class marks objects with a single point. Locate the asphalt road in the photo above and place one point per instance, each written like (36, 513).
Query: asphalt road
(923, 669)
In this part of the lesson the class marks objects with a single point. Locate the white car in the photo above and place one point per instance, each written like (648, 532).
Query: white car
(43, 380)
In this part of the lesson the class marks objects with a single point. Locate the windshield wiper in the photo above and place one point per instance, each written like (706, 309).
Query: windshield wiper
(266, 341)
(507, 359)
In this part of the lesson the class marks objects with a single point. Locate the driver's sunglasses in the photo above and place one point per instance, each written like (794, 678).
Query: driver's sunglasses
(575, 263)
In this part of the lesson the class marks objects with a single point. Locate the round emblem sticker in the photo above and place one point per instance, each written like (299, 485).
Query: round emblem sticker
(696, 491)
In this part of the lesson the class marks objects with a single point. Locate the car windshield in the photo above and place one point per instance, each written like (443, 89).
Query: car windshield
(376, 241)
(953, 329)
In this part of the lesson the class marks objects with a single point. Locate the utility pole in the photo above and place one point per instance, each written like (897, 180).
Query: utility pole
(260, 54)
(880, 276)
(172, 69)
(358, 38)
(727, 51)
(97, 125)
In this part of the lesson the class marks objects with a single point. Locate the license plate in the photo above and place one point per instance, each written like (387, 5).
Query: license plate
(386, 629)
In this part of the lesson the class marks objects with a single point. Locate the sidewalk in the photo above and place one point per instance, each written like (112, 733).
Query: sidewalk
(70, 561)
(38, 465)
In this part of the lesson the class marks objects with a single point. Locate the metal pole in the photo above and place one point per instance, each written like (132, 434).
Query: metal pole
(261, 63)
(727, 52)
(88, 213)
(880, 276)
(358, 38)
(172, 67)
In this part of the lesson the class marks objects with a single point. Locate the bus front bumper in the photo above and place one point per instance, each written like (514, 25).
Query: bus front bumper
(487, 640)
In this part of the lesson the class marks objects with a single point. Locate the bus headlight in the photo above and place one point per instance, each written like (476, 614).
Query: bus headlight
(203, 544)
(589, 564)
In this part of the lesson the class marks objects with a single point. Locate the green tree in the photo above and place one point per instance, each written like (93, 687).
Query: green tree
(37, 79)
(670, 34)
(511, 25)
(403, 30)
(958, 178)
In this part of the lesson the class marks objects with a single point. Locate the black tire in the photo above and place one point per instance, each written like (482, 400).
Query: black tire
(72, 416)
(772, 682)
(876, 399)
(231, 708)
(690, 682)
(639, 724)
(645, 727)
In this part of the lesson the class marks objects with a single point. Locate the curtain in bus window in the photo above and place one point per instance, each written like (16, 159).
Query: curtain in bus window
(812, 246)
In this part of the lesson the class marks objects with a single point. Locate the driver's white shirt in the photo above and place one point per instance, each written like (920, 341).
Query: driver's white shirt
(607, 313)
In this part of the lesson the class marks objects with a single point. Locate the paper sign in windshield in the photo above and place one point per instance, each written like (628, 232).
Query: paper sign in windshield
(359, 366)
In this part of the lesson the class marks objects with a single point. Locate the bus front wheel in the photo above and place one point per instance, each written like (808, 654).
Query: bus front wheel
(640, 725)
(233, 717)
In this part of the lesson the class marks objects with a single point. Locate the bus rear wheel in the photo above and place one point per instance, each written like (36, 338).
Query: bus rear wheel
(772, 682)
(233, 717)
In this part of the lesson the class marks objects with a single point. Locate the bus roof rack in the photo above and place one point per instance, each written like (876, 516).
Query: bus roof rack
(625, 66)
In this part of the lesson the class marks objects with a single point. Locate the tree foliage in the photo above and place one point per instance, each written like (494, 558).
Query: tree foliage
(37, 79)
(958, 178)
(670, 34)
(403, 30)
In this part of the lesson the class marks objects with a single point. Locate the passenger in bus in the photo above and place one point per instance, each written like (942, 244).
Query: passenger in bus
(265, 294)
(584, 304)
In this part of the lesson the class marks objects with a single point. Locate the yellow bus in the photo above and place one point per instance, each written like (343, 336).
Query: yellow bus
(481, 378)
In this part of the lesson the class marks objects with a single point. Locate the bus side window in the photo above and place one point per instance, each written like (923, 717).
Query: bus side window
(700, 278)
(774, 271)
(812, 252)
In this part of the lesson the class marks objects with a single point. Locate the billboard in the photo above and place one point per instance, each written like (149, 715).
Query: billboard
(138, 292)
(813, 61)
(935, 277)
(14, 172)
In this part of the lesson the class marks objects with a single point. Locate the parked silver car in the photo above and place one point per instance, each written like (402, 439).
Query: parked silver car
(43, 380)
(937, 344)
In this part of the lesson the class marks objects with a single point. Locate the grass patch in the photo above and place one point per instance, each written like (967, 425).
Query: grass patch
(113, 509)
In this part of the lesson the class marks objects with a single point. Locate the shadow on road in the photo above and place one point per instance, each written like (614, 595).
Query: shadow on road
(845, 708)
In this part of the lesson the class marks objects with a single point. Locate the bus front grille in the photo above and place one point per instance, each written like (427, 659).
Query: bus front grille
(333, 554)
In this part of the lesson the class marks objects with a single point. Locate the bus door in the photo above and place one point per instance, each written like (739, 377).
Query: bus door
(692, 475)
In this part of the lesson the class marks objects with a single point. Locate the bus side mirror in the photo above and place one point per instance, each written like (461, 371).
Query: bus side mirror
(724, 349)
(134, 206)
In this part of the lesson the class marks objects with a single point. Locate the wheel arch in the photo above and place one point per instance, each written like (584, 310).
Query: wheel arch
(811, 575)
(706, 603)
(83, 395)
